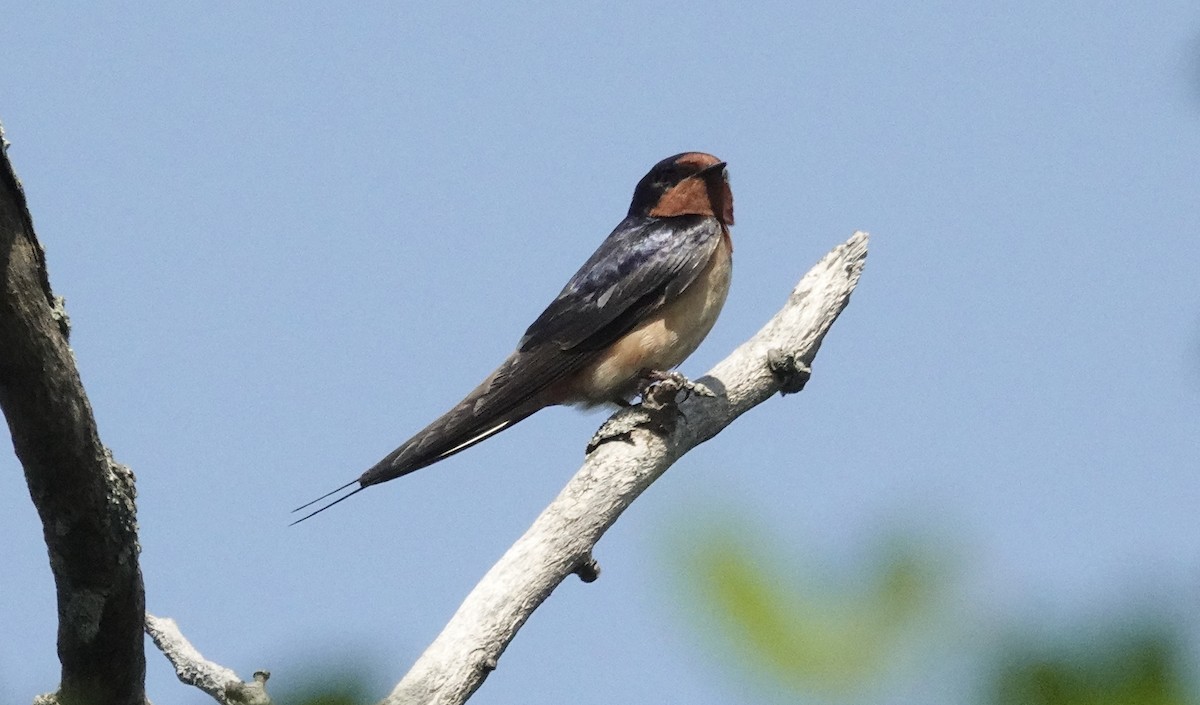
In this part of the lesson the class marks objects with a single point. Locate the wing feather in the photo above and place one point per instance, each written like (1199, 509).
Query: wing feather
(644, 263)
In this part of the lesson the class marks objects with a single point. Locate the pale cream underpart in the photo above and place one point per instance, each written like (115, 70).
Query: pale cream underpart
(663, 341)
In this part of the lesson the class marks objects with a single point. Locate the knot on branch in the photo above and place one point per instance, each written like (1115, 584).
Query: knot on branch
(252, 693)
(588, 570)
(791, 373)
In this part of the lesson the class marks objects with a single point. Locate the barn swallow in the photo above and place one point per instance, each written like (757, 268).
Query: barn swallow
(639, 306)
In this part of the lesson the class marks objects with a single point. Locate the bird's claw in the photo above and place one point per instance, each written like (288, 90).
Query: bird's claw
(661, 389)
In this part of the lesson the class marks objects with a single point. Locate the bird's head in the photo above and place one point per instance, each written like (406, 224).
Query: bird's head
(692, 183)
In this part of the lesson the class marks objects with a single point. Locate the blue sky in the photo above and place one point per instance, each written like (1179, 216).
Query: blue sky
(290, 237)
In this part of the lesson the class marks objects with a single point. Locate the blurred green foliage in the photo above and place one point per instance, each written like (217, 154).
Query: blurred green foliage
(836, 639)
(1141, 663)
(324, 684)
(843, 638)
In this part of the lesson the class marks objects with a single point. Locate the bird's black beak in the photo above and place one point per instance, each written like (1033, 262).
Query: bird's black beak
(715, 168)
(718, 190)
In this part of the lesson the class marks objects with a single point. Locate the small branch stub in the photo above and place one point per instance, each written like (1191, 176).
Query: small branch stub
(589, 570)
(791, 373)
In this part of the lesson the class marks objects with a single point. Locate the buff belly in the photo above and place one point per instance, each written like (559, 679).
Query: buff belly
(660, 343)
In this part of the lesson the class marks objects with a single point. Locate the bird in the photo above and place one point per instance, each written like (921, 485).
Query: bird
(639, 306)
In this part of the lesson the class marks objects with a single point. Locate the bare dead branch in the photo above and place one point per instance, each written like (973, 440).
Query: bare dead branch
(193, 669)
(633, 449)
(84, 498)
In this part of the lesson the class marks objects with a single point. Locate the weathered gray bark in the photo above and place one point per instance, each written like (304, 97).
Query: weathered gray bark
(85, 499)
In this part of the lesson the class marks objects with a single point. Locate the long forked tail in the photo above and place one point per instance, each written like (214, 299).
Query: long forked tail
(323, 507)
(506, 397)
(438, 441)
(392, 467)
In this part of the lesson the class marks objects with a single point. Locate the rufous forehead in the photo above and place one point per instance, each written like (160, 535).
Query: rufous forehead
(698, 160)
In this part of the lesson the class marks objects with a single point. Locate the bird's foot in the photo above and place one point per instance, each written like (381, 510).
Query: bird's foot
(792, 373)
(658, 411)
(660, 389)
